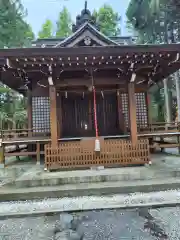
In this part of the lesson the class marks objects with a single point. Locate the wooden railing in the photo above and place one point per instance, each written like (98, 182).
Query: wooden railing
(80, 154)
(22, 133)
(161, 127)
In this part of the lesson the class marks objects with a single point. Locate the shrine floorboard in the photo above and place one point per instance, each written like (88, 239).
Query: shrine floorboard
(48, 139)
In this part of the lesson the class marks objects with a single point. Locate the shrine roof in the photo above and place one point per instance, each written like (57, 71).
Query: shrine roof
(150, 62)
(84, 31)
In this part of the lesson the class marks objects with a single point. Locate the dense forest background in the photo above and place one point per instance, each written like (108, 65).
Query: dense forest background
(151, 21)
(157, 22)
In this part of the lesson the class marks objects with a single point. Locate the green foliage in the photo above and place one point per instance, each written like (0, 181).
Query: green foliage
(14, 31)
(47, 30)
(13, 113)
(64, 24)
(108, 20)
(155, 21)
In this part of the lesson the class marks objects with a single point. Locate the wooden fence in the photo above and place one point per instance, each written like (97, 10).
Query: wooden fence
(78, 154)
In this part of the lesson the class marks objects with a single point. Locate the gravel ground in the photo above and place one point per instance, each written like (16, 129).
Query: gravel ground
(30, 228)
(142, 224)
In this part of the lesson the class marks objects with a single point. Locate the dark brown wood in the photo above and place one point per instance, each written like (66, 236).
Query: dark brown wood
(80, 154)
(148, 102)
(90, 114)
(110, 57)
(66, 51)
(121, 120)
(2, 157)
(132, 113)
(59, 114)
(53, 116)
(38, 157)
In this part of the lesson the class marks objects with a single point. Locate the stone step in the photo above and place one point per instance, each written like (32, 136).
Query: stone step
(88, 189)
(43, 179)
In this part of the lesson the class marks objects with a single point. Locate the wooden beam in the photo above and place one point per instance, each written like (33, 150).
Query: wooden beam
(53, 116)
(132, 112)
(172, 49)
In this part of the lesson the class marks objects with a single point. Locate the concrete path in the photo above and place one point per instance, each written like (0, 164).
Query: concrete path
(89, 203)
(88, 189)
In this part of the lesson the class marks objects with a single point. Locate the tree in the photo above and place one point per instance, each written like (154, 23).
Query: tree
(64, 24)
(13, 28)
(47, 30)
(13, 113)
(156, 21)
(14, 32)
(107, 20)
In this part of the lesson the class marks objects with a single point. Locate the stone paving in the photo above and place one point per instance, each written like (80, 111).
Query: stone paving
(115, 224)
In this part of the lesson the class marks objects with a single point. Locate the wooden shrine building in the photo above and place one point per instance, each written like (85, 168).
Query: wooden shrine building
(87, 95)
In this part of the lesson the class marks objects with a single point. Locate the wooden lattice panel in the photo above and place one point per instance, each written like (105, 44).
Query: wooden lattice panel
(81, 154)
(125, 105)
(141, 109)
(41, 114)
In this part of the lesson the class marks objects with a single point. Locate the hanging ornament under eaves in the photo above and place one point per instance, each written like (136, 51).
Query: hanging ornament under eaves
(23, 88)
(25, 84)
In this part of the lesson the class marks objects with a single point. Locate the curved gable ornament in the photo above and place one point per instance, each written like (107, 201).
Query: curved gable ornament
(84, 32)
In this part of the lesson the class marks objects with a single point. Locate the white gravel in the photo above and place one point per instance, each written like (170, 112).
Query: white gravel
(90, 202)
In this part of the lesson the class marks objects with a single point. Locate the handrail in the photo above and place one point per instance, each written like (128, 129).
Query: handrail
(161, 127)
(16, 133)
(22, 129)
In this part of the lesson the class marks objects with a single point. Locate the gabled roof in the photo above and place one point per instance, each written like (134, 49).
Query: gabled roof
(87, 30)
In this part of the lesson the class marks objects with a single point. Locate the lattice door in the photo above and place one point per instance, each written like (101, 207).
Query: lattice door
(125, 106)
(141, 109)
(41, 114)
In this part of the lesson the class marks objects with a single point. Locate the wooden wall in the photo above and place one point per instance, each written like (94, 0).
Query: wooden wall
(41, 109)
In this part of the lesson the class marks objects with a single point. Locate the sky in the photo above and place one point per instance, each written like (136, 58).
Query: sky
(40, 10)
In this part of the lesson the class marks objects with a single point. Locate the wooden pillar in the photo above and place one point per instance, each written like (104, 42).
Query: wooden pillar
(2, 157)
(177, 79)
(59, 114)
(38, 153)
(132, 112)
(121, 120)
(53, 116)
(29, 112)
(148, 106)
(168, 102)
